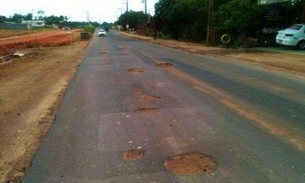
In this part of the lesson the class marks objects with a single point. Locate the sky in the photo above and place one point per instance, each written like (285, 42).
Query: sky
(76, 10)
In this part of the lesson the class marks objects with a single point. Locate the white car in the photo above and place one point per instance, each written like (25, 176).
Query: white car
(292, 36)
(101, 32)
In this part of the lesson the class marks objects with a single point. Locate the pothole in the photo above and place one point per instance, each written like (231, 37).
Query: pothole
(164, 64)
(190, 164)
(147, 110)
(132, 155)
(144, 97)
(148, 98)
(137, 70)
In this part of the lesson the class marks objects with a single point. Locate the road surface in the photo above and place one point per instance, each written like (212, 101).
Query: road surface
(251, 120)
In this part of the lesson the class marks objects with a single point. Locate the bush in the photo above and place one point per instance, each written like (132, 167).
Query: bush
(162, 35)
(89, 28)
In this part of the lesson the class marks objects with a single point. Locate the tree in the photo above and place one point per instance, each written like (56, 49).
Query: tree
(132, 18)
(2, 18)
(17, 18)
(40, 15)
(236, 17)
(28, 16)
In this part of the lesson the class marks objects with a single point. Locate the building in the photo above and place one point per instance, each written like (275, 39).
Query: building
(33, 23)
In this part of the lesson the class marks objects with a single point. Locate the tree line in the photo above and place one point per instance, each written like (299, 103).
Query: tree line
(52, 20)
(18, 18)
(187, 19)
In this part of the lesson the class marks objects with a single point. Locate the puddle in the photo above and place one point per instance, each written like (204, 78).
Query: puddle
(190, 164)
(137, 70)
(147, 110)
(164, 64)
(132, 155)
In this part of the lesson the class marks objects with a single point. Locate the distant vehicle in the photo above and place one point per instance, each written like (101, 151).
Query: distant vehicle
(106, 29)
(101, 33)
(292, 36)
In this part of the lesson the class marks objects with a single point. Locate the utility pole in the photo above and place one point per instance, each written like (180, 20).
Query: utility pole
(303, 12)
(126, 5)
(145, 2)
(88, 17)
(210, 22)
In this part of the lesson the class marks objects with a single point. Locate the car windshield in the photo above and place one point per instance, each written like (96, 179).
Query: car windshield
(102, 30)
(295, 27)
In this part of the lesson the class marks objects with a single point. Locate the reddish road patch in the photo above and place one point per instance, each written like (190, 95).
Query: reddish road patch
(145, 97)
(136, 70)
(190, 164)
(132, 155)
(147, 110)
(164, 64)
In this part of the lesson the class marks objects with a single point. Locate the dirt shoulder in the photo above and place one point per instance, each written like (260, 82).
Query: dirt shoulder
(280, 61)
(31, 89)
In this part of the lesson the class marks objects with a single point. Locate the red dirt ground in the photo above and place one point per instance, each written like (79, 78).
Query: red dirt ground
(48, 38)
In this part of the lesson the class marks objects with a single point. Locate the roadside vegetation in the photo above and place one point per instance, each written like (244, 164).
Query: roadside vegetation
(188, 19)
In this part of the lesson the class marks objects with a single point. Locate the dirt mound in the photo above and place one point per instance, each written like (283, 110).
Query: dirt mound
(190, 164)
(132, 155)
(47, 38)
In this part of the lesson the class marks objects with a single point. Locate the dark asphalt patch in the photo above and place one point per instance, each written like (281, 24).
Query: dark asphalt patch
(147, 110)
(132, 155)
(164, 64)
(190, 164)
(136, 70)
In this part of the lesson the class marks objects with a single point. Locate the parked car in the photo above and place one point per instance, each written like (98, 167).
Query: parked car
(101, 33)
(292, 36)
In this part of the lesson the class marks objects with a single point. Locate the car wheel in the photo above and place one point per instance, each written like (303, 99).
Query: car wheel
(301, 45)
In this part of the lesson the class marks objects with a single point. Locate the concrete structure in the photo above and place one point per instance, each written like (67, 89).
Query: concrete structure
(34, 23)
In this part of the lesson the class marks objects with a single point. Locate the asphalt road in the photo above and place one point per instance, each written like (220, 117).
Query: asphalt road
(251, 120)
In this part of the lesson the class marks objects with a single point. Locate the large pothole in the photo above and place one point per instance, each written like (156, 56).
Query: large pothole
(190, 164)
(132, 155)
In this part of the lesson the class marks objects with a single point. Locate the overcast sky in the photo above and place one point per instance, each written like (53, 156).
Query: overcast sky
(76, 10)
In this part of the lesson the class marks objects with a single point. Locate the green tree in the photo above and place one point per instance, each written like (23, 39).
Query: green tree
(17, 18)
(3, 18)
(28, 16)
(132, 18)
(40, 15)
(236, 17)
